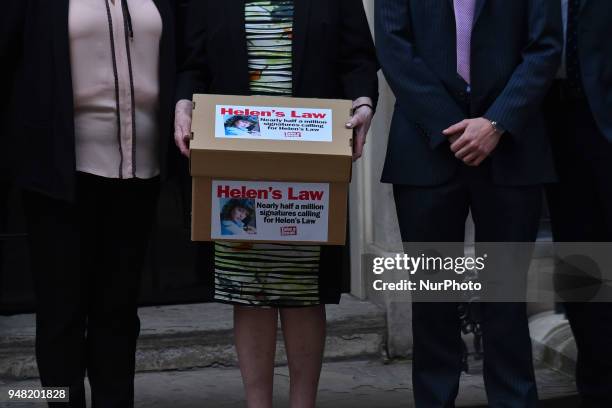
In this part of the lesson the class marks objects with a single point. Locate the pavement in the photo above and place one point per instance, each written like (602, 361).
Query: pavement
(553, 341)
(196, 336)
(368, 383)
(186, 359)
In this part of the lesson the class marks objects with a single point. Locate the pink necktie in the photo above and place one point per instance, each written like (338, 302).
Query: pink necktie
(464, 16)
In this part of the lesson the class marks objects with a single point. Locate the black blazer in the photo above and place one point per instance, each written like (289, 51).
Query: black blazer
(7, 77)
(41, 140)
(333, 51)
(516, 49)
(595, 53)
(333, 57)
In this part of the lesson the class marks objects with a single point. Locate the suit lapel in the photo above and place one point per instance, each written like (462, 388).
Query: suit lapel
(61, 39)
(166, 11)
(301, 18)
(583, 4)
(58, 12)
(61, 49)
(479, 6)
(235, 20)
(161, 8)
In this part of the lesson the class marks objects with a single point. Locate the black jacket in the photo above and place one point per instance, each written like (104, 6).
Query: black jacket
(34, 37)
(333, 51)
(516, 48)
(595, 54)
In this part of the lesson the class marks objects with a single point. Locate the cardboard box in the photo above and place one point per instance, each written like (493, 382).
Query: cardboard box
(283, 163)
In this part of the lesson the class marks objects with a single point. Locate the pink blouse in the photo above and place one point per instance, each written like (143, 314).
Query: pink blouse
(116, 130)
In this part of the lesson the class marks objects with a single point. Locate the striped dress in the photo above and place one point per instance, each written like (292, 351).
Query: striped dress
(268, 275)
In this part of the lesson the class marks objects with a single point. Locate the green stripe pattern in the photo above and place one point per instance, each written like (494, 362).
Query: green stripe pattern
(269, 34)
(268, 275)
(273, 275)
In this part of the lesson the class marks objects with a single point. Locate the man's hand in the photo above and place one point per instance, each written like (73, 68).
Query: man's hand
(182, 125)
(360, 123)
(452, 139)
(473, 140)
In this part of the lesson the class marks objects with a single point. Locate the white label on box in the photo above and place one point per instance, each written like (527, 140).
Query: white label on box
(273, 123)
(269, 211)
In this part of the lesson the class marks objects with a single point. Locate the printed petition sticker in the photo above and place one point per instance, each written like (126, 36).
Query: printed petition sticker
(269, 211)
(273, 123)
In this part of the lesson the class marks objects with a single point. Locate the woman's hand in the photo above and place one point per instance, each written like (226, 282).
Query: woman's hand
(360, 123)
(182, 125)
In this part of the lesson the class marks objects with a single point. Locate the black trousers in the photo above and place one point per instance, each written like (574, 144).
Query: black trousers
(581, 211)
(87, 258)
(501, 214)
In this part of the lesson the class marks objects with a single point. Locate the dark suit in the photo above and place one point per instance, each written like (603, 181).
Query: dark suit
(333, 57)
(596, 60)
(515, 53)
(8, 48)
(512, 74)
(580, 125)
(87, 235)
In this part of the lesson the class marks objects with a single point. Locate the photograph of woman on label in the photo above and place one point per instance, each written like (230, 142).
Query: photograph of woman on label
(237, 125)
(237, 217)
